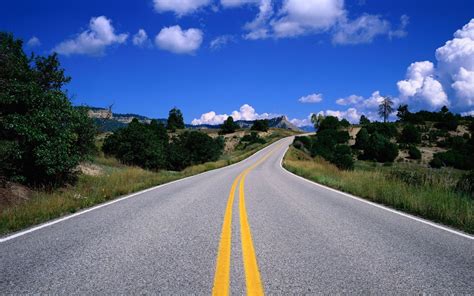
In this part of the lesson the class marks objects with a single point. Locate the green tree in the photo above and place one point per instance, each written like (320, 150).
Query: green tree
(229, 126)
(261, 125)
(316, 120)
(414, 153)
(403, 113)
(385, 108)
(362, 139)
(139, 144)
(380, 149)
(175, 120)
(410, 135)
(43, 137)
(364, 120)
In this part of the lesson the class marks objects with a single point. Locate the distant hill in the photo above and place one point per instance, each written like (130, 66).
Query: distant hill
(107, 121)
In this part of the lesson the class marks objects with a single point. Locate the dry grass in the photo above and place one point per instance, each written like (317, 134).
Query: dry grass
(436, 201)
(115, 180)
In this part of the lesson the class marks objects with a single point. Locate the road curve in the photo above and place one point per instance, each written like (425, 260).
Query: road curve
(306, 239)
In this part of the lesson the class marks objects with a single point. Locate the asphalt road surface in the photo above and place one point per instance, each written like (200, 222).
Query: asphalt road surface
(280, 234)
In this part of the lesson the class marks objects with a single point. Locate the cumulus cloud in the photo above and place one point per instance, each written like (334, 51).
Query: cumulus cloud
(94, 40)
(221, 41)
(246, 112)
(361, 30)
(140, 39)
(312, 98)
(299, 17)
(179, 41)
(429, 85)
(351, 114)
(180, 7)
(33, 42)
(350, 100)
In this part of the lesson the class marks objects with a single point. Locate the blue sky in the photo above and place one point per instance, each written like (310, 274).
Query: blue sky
(292, 57)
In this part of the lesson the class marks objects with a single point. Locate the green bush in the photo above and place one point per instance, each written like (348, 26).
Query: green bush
(387, 130)
(414, 153)
(380, 149)
(193, 147)
(466, 183)
(410, 135)
(229, 126)
(260, 125)
(139, 144)
(362, 139)
(43, 137)
(342, 157)
(436, 163)
(252, 138)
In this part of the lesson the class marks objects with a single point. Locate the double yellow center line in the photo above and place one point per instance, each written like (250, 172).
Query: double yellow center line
(222, 274)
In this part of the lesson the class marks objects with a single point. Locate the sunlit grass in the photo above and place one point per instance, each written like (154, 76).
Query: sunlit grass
(435, 200)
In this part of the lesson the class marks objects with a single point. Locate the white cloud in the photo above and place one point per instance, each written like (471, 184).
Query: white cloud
(94, 40)
(258, 28)
(312, 98)
(351, 114)
(221, 41)
(350, 100)
(180, 7)
(33, 42)
(141, 38)
(246, 112)
(303, 16)
(400, 32)
(464, 86)
(302, 122)
(427, 85)
(468, 113)
(361, 30)
(237, 3)
(179, 41)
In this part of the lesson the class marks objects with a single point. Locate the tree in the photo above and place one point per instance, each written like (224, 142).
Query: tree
(414, 153)
(316, 120)
(380, 149)
(402, 113)
(329, 122)
(362, 139)
(385, 108)
(260, 125)
(139, 144)
(364, 120)
(43, 137)
(229, 126)
(410, 135)
(175, 120)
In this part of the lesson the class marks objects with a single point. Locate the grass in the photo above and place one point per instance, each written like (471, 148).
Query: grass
(116, 180)
(428, 195)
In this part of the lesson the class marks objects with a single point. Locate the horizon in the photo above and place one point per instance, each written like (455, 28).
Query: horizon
(256, 59)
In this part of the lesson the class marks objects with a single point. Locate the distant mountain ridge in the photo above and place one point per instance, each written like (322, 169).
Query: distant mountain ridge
(108, 121)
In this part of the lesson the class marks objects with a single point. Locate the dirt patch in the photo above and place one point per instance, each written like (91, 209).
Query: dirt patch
(13, 193)
(90, 169)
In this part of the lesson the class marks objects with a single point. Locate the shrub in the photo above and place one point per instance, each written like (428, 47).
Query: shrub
(462, 160)
(342, 157)
(364, 120)
(414, 153)
(252, 138)
(43, 137)
(466, 183)
(139, 144)
(260, 125)
(410, 135)
(436, 163)
(302, 143)
(388, 130)
(380, 149)
(193, 147)
(329, 122)
(229, 126)
(362, 139)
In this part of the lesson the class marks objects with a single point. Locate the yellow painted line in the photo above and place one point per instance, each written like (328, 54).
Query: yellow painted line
(222, 274)
(252, 275)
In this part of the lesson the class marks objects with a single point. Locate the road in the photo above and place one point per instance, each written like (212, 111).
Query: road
(289, 237)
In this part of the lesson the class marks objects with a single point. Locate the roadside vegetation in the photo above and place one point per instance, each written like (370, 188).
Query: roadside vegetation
(54, 161)
(421, 164)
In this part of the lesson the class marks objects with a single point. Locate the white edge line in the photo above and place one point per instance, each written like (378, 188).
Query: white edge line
(377, 205)
(58, 220)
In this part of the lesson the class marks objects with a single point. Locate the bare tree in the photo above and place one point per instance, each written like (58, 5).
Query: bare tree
(386, 108)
